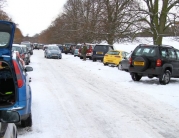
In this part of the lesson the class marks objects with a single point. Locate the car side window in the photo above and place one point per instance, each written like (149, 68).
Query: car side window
(110, 48)
(171, 54)
(164, 53)
(177, 52)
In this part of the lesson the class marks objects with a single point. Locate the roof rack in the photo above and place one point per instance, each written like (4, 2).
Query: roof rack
(166, 46)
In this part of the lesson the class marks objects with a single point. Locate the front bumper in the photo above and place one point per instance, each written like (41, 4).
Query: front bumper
(54, 55)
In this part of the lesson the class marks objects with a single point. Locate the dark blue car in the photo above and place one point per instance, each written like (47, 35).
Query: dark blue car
(15, 90)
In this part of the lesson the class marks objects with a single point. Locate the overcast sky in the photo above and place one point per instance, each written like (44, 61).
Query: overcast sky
(33, 16)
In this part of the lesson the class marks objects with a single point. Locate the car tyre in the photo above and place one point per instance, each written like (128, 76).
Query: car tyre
(105, 64)
(165, 77)
(94, 59)
(27, 122)
(119, 67)
(135, 77)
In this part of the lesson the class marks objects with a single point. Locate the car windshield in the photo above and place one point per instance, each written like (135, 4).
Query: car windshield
(145, 51)
(53, 48)
(24, 49)
(113, 52)
(16, 48)
(27, 44)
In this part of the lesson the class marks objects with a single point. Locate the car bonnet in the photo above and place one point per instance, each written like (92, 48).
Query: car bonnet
(7, 30)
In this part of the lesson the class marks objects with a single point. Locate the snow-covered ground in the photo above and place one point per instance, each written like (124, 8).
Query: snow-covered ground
(84, 99)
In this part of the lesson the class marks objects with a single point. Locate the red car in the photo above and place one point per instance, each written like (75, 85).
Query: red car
(89, 52)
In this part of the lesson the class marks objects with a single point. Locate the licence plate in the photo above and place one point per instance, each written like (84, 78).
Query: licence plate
(100, 53)
(138, 63)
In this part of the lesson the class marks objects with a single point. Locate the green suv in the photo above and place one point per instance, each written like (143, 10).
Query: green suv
(159, 61)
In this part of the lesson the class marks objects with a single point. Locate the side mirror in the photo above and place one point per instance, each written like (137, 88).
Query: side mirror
(28, 68)
(9, 116)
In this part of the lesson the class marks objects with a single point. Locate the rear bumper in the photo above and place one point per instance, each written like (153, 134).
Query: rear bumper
(24, 110)
(98, 57)
(152, 71)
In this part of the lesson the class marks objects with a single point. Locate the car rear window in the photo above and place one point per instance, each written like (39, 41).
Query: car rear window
(4, 38)
(102, 48)
(145, 51)
(113, 52)
(77, 47)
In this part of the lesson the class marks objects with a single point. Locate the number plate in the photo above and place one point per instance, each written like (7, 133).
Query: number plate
(139, 63)
(100, 53)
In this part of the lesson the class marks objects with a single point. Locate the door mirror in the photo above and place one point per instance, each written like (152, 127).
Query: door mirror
(9, 116)
(28, 68)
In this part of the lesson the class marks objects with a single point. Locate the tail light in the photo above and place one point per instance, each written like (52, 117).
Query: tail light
(118, 56)
(158, 63)
(18, 75)
(130, 61)
(90, 50)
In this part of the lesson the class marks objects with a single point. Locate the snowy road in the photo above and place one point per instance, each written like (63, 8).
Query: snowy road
(84, 99)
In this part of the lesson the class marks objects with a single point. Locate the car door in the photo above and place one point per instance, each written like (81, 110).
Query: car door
(173, 61)
(177, 64)
(7, 30)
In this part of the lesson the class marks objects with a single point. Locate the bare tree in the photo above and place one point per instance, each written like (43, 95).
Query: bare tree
(157, 16)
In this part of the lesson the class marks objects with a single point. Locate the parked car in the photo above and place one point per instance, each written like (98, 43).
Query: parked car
(15, 86)
(76, 50)
(17, 47)
(60, 47)
(68, 48)
(40, 46)
(45, 46)
(26, 53)
(114, 57)
(29, 46)
(52, 51)
(154, 61)
(89, 51)
(124, 64)
(100, 50)
(7, 127)
(35, 46)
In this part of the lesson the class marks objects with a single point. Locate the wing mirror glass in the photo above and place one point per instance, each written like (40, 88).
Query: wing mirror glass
(9, 116)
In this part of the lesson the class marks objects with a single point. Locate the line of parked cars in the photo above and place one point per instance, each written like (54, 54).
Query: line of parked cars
(160, 61)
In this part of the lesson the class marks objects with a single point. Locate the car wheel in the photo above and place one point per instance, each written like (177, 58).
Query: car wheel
(94, 59)
(165, 77)
(27, 122)
(135, 77)
(105, 64)
(81, 57)
(119, 67)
